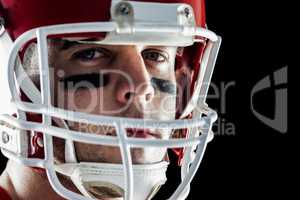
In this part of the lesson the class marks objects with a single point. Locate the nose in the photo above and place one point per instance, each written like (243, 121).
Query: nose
(136, 84)
(143, 93)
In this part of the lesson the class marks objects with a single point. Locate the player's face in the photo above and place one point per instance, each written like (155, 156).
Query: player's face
(115, 80)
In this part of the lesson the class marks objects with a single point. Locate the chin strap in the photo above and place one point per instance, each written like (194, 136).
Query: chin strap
(103, 180)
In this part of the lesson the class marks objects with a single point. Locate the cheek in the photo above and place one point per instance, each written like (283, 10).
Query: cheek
(169, 103)
(59, 149)
(81, 99)
(97, 153)
(166, 105)
(147, 155)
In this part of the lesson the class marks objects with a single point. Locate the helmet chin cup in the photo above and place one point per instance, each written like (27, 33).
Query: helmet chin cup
(101, 179)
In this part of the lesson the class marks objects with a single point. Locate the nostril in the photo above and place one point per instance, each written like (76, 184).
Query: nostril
(128, 95)
(148, 97)
(143, 93)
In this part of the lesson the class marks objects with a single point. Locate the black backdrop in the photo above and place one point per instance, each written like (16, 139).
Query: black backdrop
(247, 158)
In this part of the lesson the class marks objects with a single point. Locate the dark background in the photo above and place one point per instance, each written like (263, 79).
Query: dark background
(256, 161)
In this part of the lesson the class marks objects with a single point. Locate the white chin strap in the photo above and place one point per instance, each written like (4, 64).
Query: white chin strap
(106, 181)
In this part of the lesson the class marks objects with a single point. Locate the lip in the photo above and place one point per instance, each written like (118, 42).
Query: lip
(142, 133)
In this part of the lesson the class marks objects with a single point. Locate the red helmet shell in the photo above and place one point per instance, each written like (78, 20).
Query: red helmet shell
(23, 15)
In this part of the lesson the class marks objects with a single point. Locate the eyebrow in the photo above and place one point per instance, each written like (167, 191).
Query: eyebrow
(68, 44)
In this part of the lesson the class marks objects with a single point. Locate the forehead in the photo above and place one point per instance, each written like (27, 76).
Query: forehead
(64, 44)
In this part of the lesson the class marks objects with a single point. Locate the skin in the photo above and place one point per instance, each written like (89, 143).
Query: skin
(131, 88)
(150, 87)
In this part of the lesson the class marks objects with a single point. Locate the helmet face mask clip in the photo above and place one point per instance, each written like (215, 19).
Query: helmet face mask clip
(97, 99)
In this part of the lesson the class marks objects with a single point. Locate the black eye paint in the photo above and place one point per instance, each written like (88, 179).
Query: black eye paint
(96, 79)
(163, 85)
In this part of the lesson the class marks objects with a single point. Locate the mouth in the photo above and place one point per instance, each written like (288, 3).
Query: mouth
(142, 133)
(135, 133)
(131, 132)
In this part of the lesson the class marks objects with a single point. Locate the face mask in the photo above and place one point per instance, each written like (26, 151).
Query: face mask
(106, 181)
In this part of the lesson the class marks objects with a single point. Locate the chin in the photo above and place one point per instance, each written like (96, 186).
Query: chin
(147, 155)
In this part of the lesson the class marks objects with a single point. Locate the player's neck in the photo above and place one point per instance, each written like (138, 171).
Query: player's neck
(22, 182)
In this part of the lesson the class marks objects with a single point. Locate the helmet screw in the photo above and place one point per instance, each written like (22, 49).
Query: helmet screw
(124, 9)
(60, 73)
(5, 137)
(186, 12)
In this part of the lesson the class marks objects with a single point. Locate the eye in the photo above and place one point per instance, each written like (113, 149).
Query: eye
(155, 55)
(87, 55)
